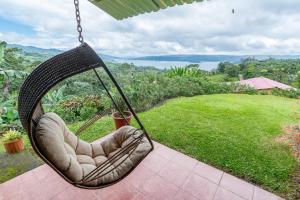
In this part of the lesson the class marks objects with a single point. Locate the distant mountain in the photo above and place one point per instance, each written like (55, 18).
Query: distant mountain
(192, 58)
(52, 52)
(34, 50)
(212, 58)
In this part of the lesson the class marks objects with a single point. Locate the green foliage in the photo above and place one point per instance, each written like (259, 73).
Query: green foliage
(54, 97)
(232, 70)
(9, 117)
(78, 108)
(187, 71)
(11, 135)
(286, 93)
(285, 71)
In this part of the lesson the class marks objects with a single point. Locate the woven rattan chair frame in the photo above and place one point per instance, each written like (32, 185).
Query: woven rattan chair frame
(45, 77)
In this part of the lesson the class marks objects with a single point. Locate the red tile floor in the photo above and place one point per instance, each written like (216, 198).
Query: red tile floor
(165, 174)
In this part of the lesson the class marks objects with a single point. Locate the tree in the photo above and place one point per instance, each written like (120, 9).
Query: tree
(232, 70)
(6, 77)
(10, 63)
(2, 47)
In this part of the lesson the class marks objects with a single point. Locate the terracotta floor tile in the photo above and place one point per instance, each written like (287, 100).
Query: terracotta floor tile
(1, 192)
(174, 173)
(154, 162)
(260, 194)
(156, 145)
(182, 195)
(43, 171)
(49, 187)
(200, 187)
(166, 152)
(223, 194)
(75, 193)
(164, 175)
(141, 196)
(16, 187)
(159, 189)
(237, 186)
(22, 196)
(208, 172)
(138, 176)
(118, 191)
(185, 160)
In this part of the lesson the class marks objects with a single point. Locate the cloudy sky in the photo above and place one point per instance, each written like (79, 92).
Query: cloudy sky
(257, 27)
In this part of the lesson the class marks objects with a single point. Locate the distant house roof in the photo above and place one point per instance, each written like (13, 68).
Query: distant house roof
(121, 9)
(261, 83)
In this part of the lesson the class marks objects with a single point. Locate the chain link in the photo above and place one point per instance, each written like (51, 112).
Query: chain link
(78, 19)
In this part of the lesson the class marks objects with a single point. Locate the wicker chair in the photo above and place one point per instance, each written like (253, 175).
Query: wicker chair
(82, 164)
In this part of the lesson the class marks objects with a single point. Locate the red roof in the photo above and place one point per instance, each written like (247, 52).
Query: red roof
(261, 83)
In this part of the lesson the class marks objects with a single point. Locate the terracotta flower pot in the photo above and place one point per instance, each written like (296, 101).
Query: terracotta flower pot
(14, 146)
(119, 120)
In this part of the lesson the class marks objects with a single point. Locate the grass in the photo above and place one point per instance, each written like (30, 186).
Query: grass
(235, 133)
(13, 165)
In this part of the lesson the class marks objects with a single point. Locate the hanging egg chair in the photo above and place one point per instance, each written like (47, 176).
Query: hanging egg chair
(86, 165)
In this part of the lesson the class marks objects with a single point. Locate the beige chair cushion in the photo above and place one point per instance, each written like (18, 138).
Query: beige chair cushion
(76, 158)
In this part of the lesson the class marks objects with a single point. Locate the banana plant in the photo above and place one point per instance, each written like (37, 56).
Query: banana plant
(55, 96)
(9, 115)
(185, 71)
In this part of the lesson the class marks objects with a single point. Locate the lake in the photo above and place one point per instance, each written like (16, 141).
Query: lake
(208, 66)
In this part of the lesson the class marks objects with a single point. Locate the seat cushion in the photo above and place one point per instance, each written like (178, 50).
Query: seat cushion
(76, 158)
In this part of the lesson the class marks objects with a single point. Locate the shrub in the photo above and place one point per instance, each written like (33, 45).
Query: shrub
(188, 71)
(11, 135)
(78, 108)
(9, 117)
(293, 93)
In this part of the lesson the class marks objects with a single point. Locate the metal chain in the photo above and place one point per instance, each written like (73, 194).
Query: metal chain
(78, 19)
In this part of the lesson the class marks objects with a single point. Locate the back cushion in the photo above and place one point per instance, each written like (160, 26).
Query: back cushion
(58, 145)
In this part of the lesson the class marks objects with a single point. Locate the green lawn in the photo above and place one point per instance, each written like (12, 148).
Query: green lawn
(12, 165)
(235, 133)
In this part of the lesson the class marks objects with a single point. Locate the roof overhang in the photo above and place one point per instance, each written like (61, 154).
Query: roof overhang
(121, 9)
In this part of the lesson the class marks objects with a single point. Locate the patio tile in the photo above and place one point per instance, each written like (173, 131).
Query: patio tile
(174, 173)
(14, 188)
(184, 160)
(164, 175)
(118, 191)
(141, 196)
(43, 172)
(237, 186)
(182, 195)
(200, 187)
(139, 176)
(159, 189)
(260, 194)
(75, 193)
(223, 194)
(154, 162)
(156, 145)
(166, 152)
(208, 172)
(1, 192)
(49, 187)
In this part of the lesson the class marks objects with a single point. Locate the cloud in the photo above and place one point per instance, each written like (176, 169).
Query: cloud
(257, 27)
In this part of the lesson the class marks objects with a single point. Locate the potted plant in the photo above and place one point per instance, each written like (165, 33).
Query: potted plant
(118, 117)
(13, 141)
